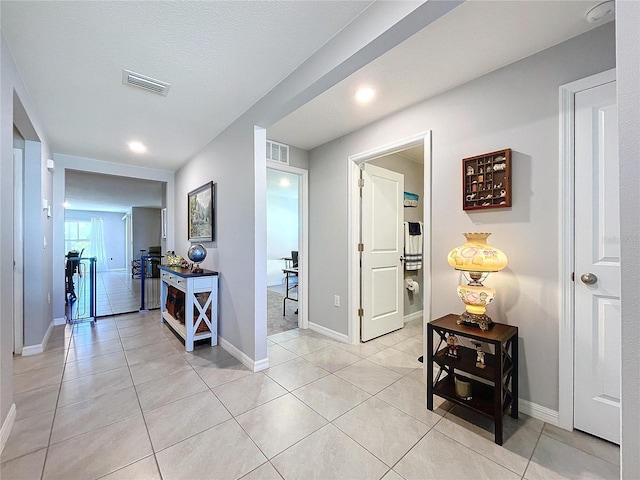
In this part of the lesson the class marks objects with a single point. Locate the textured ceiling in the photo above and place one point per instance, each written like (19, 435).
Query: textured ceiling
(471, 40)
(220, 57)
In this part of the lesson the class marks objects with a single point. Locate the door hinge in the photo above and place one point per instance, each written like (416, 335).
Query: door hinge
(361, 312)
(361, 247)
(361, 182)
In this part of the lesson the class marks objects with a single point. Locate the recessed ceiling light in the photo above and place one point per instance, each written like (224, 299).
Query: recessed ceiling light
(284, 182)
(137, 147)
(365, 94)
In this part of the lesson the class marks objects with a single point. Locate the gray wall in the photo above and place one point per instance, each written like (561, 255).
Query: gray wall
(514, 107)
(298, 157)
(114, 234)
(16, 108)
(413, 182)
(146, 226)
(229, 161)
(628, 57)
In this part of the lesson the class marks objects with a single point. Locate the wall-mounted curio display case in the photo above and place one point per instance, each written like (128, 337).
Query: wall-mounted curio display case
(487, 181)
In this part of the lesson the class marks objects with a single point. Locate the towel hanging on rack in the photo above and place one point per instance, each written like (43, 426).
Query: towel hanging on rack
(412, 246)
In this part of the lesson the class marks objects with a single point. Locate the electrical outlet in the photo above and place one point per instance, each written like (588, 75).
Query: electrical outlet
(336, 300)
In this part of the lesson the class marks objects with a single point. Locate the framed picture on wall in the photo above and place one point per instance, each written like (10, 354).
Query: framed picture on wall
(201, 204)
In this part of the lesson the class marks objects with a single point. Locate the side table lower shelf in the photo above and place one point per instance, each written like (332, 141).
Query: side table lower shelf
(481, 401)
(494, 388)
(181, 329)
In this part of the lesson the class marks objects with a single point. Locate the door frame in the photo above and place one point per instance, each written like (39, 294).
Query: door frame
(353, 220)
(18, 252)
(303, 238)
(567, 241)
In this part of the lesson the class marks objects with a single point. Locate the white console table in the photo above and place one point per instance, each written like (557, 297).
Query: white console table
(190, 283)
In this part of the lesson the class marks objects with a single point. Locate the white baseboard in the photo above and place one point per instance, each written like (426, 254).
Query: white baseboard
(413, 316)
(254, 366)
(7, 425)
(538, 411)
(39, 348)
(329, 333)
(60, 321)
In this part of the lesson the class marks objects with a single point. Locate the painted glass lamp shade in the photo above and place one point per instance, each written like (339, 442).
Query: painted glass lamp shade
(476, 260)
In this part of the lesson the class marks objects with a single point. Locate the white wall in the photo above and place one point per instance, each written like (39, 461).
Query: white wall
(282, 222)
(114, 234)
(515, 107)
(628, 73)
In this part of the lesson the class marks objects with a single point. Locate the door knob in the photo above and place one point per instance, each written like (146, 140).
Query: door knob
(588, 278)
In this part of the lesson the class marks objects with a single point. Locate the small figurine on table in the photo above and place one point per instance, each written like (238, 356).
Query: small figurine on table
(480, 356)
(452, 346)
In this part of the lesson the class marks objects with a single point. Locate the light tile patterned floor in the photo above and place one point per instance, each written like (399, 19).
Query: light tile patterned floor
(123, 400)
(116, 292)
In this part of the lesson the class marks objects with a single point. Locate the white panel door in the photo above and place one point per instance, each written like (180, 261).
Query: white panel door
(597, 264)
(382, 236)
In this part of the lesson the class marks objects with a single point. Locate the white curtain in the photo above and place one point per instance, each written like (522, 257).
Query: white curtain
(97, 248)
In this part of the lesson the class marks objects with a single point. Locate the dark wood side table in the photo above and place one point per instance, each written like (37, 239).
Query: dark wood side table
(491, 399)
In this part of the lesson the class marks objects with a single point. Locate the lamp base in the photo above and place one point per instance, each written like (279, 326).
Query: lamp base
(481, 321)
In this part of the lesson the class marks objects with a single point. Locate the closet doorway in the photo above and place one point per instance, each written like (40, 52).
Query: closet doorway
(287, 259)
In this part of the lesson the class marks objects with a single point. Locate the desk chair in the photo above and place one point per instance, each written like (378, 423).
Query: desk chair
(290, 270)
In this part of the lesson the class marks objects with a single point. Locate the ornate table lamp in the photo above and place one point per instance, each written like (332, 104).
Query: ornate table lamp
(477, 259)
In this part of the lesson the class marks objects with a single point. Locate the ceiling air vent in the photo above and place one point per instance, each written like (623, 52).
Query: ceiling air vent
(151, 84)
(277, 152)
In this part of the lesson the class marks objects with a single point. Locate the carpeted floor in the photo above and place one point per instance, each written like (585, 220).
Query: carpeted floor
(276, 322)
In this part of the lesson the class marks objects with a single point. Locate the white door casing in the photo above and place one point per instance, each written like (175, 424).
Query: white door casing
(18, 252)
(303, 239)
(382, 237)
(597, 253)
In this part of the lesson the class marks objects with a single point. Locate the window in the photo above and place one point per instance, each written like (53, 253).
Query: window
(77, 235)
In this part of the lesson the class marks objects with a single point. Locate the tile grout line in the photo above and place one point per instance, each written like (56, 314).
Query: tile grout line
(144, 419)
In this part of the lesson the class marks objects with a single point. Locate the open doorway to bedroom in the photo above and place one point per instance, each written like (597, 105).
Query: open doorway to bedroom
(286, 252)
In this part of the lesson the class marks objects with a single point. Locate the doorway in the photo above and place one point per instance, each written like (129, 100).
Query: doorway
(287, 247)
(18, 247)
(590, 331)
(423, 141)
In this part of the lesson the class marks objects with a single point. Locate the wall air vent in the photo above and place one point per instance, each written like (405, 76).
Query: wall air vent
(277, 152)
(151, 84)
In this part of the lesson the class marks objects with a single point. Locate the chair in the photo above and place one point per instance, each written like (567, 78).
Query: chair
(155, 253)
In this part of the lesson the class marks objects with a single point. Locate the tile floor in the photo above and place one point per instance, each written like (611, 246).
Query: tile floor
(116, 293)
(123, 400)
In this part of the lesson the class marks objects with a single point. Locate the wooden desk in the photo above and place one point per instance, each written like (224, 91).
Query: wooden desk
(491, 401)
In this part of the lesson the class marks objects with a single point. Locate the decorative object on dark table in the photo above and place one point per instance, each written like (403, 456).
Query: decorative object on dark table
(452, 346)
(477, 259)
(480, 355)
(462, 388)
(197, 254)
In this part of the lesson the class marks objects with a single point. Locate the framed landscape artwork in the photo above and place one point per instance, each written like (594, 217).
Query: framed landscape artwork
(201, 204)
